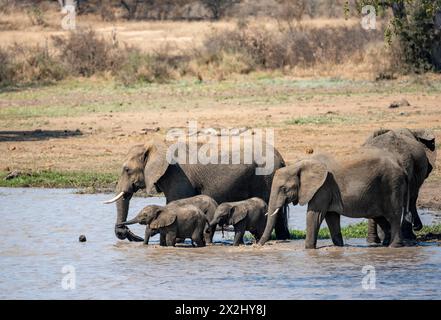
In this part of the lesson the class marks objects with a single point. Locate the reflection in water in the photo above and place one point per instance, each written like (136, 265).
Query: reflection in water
(40, 236)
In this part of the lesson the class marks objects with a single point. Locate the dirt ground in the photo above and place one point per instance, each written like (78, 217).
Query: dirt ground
(88, 125)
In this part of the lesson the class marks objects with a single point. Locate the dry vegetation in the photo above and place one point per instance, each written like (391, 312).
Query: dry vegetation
(324, 84)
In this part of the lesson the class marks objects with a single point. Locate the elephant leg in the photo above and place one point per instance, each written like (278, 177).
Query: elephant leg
(406, 229)
(383, 229)
(238, 236)
(199, 240)
(313, 221)
(395, 230)
(170, 239)
(148, 233)
(333, 222)
(281, 227)
(208, 236)
(372, 232)
(198, 237)
(162, 241)
(417, 224)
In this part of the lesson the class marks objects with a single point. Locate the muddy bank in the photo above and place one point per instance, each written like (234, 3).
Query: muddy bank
(430, 196)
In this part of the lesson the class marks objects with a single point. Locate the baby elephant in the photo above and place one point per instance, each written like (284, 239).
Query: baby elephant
(247, 215)
(172, 222)
(207, 205)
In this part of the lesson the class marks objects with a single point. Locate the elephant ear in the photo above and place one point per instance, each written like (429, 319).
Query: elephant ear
(155, 164)
(237, 214)
(312, 175)
(164, 219)
(427, 138)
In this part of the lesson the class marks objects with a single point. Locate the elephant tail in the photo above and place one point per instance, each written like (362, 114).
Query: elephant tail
(407, 215)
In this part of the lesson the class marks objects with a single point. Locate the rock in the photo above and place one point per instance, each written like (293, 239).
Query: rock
(82, 238)
(399, 103)
(14, 174)
(309, 150)
(12, 148)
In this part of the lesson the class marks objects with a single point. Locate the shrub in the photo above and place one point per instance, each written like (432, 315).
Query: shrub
(84, 53)
(27, 65)
(148, 67)
(274, 49)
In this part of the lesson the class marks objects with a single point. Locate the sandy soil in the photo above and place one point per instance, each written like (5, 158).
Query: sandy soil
(111, 119)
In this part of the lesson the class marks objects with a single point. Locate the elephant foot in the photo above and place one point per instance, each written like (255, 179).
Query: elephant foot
(397, 244)
(410, 236)
(373, 239)
(410, 242)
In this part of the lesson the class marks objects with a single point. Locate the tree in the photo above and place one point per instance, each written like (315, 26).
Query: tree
(218, 7)
(417, 26)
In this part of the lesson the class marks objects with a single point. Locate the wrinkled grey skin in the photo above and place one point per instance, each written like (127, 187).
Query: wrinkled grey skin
(415, 150)
(207, 205)
(172, 222)
(146, 167)
(145, 217)
(369, 184)
(246, 215)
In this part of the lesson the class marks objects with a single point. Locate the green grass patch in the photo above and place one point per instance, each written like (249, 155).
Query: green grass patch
(321, 119)
(358, 230)
(55, 179)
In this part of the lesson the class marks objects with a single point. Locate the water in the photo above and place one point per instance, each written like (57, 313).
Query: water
(40, 237)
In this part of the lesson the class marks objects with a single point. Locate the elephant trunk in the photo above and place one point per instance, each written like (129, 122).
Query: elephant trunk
(270, 224)
(272, 214)
(121, 230)
(133, 221)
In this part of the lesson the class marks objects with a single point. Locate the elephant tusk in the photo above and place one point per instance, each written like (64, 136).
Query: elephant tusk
(119, 196)
(266, 213)
(275, 211)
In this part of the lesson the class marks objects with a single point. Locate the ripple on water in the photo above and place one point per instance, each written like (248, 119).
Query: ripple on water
(42, 237)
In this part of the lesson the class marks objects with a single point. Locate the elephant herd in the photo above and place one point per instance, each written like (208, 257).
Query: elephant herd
(380, 181)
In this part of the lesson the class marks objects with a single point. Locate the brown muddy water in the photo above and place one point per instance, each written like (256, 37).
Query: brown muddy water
(41, 258)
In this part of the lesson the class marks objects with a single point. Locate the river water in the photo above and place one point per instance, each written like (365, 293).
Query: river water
(41, 258)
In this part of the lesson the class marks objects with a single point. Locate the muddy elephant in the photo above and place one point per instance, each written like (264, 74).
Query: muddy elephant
(246, 215)
(415, 150)
(147, 167)
(172, 222)
(369, 184)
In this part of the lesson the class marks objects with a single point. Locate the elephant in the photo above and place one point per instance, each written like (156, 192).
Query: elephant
(147, 167)
(245, 215)
(369, 184)
(145, 217)
(416, 151)
(207, 205)
(172, 222)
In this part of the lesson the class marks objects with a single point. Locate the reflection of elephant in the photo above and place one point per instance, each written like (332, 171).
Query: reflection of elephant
(246, 215)
(146, 167)
(206, 204)
(415, 150)
(172, 222)
(370, 184)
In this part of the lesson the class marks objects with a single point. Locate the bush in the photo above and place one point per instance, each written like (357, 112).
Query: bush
(21, 65)
(6, 68)
(84, 53)
(149, 67)
(274, 49)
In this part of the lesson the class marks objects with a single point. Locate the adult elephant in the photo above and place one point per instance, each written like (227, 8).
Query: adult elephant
(415, 150)
(368, 184)
(147, 167)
